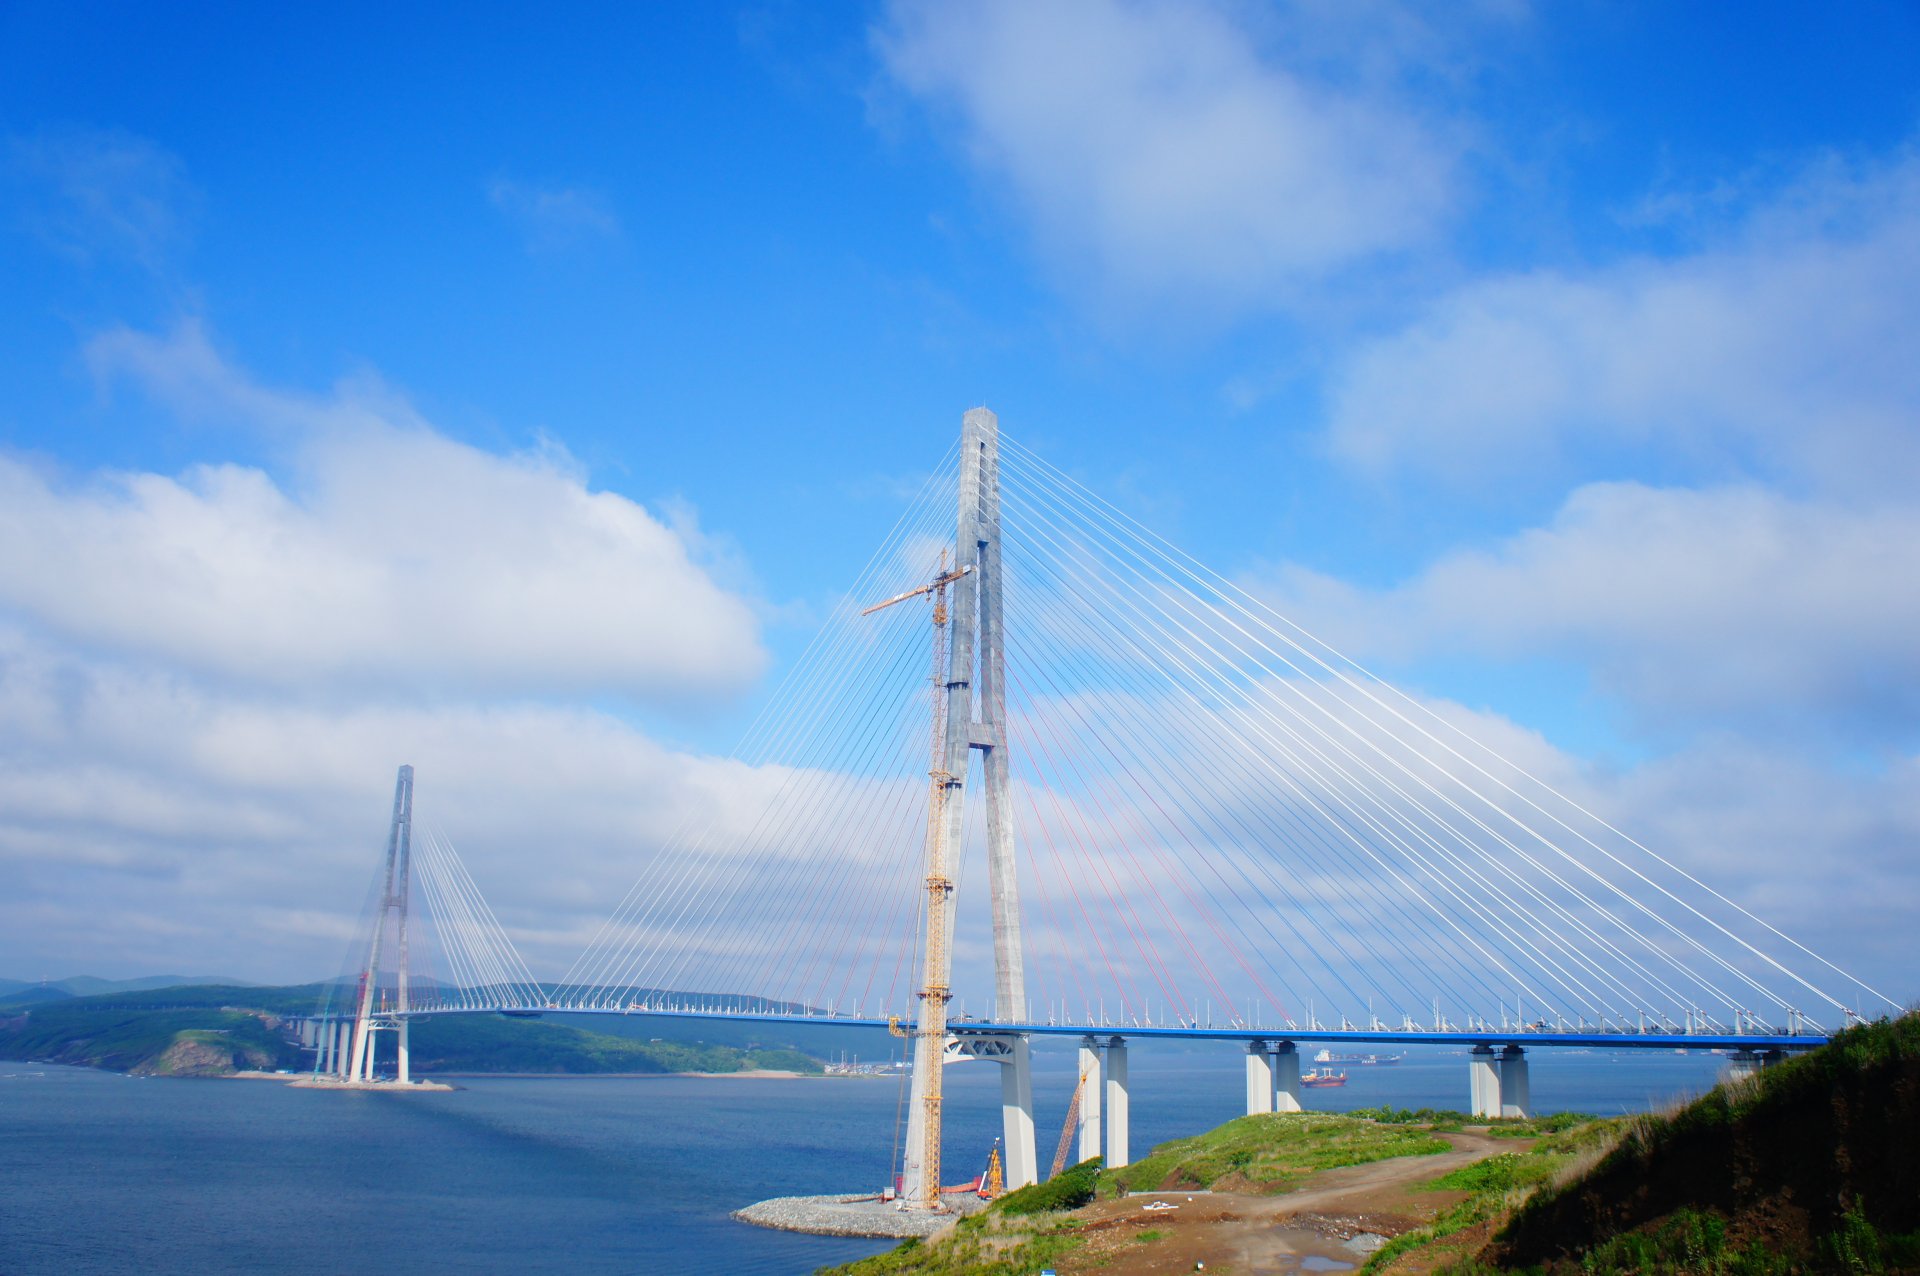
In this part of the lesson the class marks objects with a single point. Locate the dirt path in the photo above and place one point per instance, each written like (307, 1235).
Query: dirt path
(1302, 1230)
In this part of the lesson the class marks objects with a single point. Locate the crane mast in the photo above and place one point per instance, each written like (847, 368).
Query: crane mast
(931, 1030)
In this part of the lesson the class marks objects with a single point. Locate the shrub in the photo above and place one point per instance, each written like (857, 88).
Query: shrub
(1067, 1190)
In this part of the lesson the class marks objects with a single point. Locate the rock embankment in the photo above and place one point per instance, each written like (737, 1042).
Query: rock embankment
(855, 1215)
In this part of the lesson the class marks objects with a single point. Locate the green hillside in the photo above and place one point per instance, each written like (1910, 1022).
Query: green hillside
(217, 1030)
(1813, 1165)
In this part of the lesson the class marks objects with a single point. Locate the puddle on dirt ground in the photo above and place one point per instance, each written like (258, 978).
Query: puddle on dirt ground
(1299, 1250)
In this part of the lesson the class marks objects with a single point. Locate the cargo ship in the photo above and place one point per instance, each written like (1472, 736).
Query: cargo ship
(1320, 1077)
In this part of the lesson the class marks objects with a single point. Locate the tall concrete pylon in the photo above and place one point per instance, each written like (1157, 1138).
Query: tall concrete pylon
(393, 899)
(977, 655)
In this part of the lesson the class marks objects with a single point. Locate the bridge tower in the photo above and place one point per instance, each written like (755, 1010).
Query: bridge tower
(976, 659)
(393, 901)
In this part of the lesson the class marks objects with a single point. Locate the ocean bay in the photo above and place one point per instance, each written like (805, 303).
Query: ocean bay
(109, 1174)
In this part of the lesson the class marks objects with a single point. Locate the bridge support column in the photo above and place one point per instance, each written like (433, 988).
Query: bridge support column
(1516, 1087)
(400, 1053)
(1014, 1054)
(365, 1047)
(1115, 1074)
(1286, 1077)
(1016, 1115)
(1483, 1081)
(1090, 1087)
(1259, 1079)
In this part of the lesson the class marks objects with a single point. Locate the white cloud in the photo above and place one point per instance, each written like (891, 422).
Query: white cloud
(252, 821)
(394, 558)
(1166, 153)
(558, 218)
(1731, 604)
(1784, 349)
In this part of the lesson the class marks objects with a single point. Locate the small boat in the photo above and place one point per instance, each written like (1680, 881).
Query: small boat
(1322, 1077)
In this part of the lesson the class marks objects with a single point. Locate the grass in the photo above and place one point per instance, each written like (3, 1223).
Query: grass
(1499, 1184)
(1830, 1131)
(1269, 1153)
(989, 1244)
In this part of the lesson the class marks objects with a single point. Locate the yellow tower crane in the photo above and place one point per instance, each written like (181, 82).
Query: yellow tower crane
(930, 1034)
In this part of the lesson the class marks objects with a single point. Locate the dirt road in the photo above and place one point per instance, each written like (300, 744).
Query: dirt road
(1303, 1230)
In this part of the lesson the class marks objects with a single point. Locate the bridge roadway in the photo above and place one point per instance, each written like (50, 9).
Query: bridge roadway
(1495, 1037)
(1498, 1079)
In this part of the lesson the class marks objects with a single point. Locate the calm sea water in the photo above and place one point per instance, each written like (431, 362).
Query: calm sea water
(107, 1174)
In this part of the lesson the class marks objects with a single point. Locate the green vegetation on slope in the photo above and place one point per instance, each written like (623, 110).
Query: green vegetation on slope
(1810, 1166)
(1020, 1233)
(1028, 1229)
(202, 1042)
(214, 1031)
(1812, 1159)
(481, 1043)
(1499, 1183)
(1269, 1153)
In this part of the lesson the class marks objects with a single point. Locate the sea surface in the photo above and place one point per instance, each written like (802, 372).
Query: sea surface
(101, 1173)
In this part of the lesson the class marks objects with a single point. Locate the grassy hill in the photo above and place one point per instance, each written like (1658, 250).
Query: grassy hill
(1809, 1166)
(1813, 1165)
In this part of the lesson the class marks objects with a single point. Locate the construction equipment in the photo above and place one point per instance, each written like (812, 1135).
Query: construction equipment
(930, 1033)
(993, 1181)
(1070, 1127)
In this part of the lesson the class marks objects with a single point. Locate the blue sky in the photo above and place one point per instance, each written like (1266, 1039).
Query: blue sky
(433, 376)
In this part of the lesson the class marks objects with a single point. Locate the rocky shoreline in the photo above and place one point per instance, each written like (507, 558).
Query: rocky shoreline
(855, 1216)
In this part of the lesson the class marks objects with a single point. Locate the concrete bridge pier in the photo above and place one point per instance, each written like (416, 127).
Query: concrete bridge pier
(1090, 1087)
(1259, 1078)
(401, 1059)
(1483, 1081)
(1744, 1063)
(1014, 1055)
(1286, 1077)
(1516, 1087)
(1114, 1072)
(1016, 1114)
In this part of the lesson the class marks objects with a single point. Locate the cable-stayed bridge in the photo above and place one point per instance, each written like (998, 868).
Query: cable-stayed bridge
(1192, 817)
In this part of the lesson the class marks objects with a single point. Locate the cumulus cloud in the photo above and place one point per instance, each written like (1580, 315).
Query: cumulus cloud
(1783, 348)
(1723, 605)
(393, 556)
(1174, 153)
(558, 218)
(249, 822)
